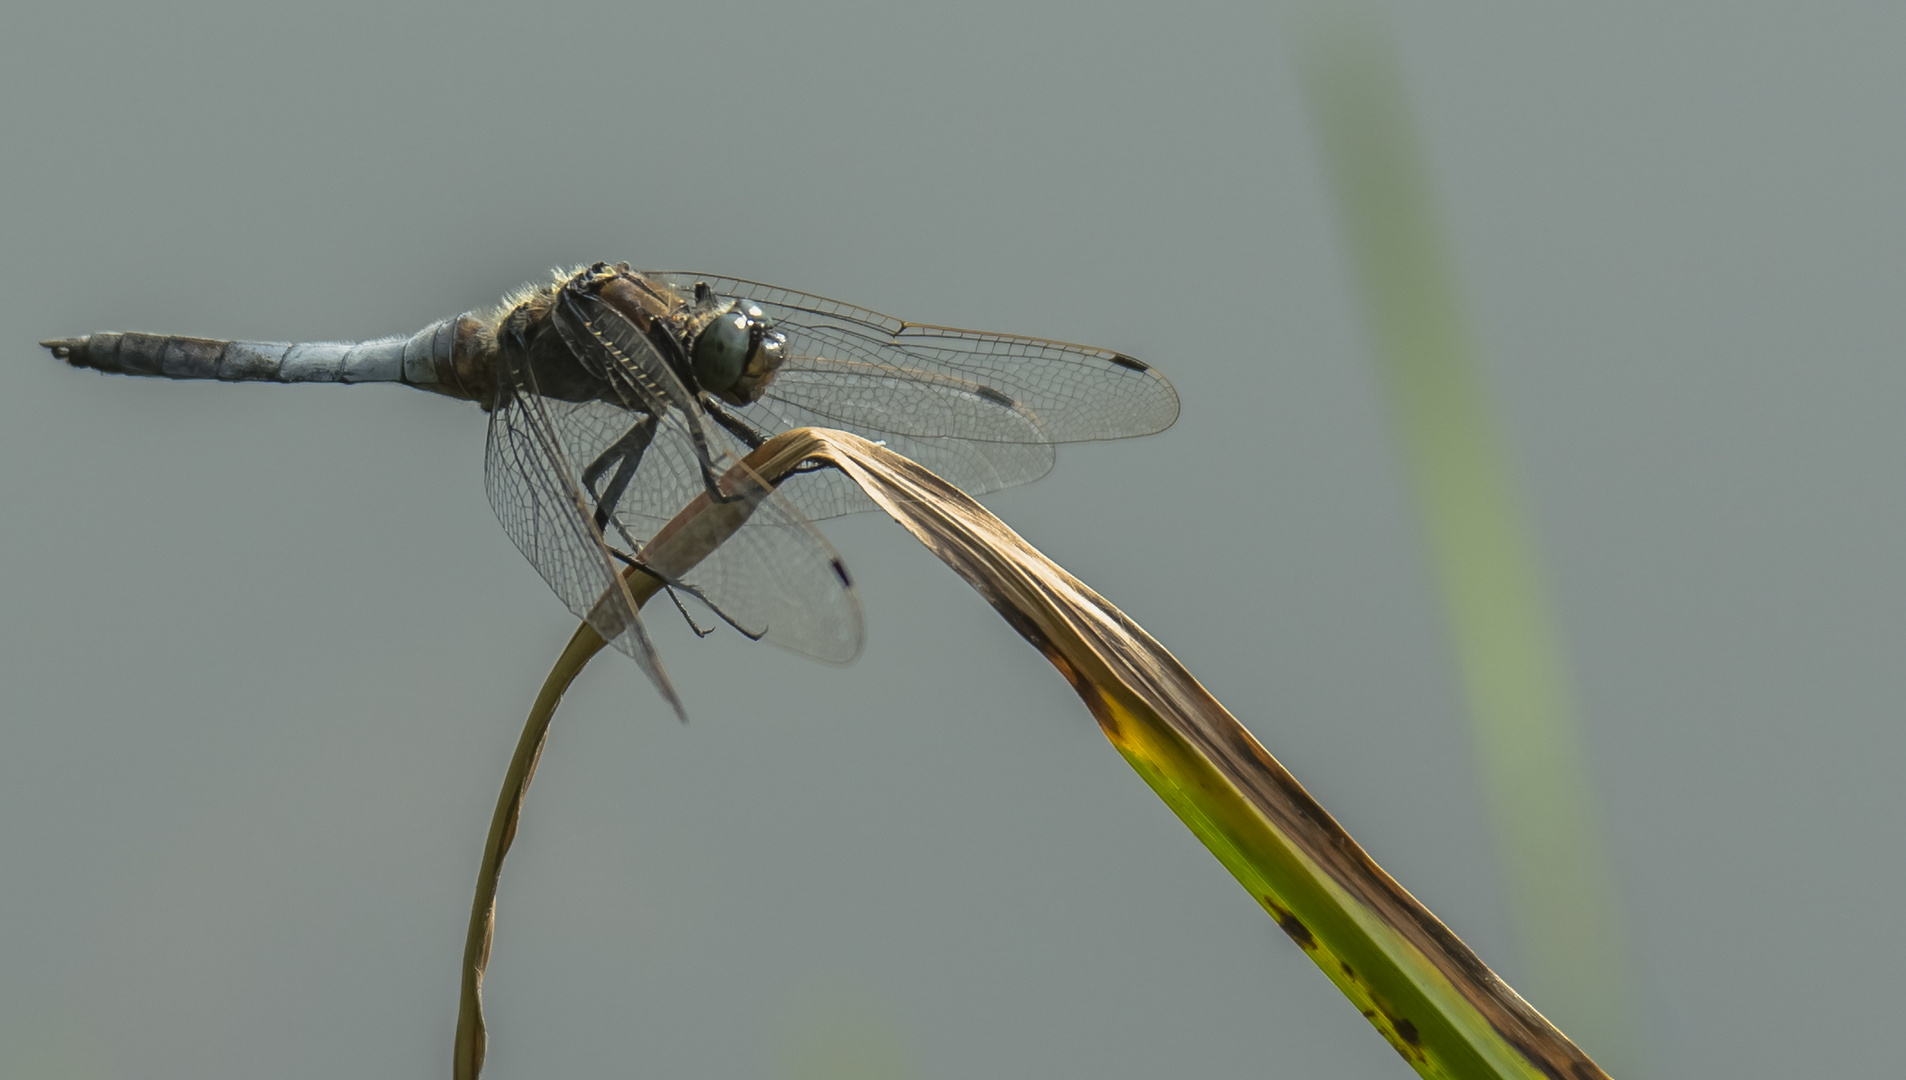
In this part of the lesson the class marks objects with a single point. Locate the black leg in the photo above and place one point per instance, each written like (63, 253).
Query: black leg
(671, 586)
(686, 617)
(754, 437)
(706, 458)
(739, 428)
(613, 454)
(626, 453)
(751, 635)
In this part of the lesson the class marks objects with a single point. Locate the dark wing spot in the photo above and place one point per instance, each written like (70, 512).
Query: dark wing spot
(1407, 1032)
(1132, 362)
(996, 397)
(840, 572)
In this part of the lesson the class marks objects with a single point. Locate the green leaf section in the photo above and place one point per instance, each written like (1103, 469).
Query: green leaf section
(1398, 989)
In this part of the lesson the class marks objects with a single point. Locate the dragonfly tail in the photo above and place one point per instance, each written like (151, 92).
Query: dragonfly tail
(427, 359)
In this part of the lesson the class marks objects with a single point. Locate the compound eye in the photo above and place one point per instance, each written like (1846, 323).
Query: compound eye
(721, 351)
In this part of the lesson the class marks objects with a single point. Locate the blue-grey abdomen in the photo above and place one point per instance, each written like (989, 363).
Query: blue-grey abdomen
(421, 359)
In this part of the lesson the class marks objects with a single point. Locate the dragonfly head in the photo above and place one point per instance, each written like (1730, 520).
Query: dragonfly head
(735, 353)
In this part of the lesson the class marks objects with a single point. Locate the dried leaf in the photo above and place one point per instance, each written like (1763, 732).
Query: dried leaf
(1442, 1009)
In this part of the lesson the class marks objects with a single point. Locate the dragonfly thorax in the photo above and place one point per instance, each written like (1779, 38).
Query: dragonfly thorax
(728, 348)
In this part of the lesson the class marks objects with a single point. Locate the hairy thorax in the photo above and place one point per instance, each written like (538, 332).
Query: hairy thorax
(520, 335)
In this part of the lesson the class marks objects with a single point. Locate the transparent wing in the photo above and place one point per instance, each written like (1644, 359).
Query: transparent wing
(982, 410)
(1077, 392)
(903, 413)
(776, 578)
(532, 487)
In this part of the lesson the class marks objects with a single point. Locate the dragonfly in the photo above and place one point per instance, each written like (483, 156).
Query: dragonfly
(617, 396)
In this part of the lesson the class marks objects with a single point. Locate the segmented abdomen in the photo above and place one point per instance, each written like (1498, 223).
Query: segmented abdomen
(418, 359)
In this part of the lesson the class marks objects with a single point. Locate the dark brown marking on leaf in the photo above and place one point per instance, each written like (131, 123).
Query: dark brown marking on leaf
(1528, 1054)
(1348, 972)
(1407, 1032)
(1291, 925)
(1089, 692)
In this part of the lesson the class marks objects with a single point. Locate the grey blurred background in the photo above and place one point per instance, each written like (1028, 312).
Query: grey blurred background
(265, 651)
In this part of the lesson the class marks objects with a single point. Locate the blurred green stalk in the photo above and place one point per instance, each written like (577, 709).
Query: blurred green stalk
(1561, 892)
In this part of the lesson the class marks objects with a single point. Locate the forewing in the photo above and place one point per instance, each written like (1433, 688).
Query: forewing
(915, 416)
(532, 486)
(1077, 392)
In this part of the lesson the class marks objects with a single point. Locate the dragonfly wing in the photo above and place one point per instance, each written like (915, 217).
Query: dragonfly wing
(609, 346)
(532, 486)
(975, 437)
(1078, 392)
(775, 578)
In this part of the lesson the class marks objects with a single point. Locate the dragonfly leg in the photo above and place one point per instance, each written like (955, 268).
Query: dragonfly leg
(625, 453)
(750, 435)
(639, 566)
(751, 635)
(754, 437)
(739, 428)
(616, 451)
(686, 617)
(711, 480)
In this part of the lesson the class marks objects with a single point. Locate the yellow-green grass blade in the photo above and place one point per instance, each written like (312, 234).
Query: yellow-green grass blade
(1444, 1011)
(1561, 893)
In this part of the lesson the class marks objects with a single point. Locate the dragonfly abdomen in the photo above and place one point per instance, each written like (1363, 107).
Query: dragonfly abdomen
(426, 359)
